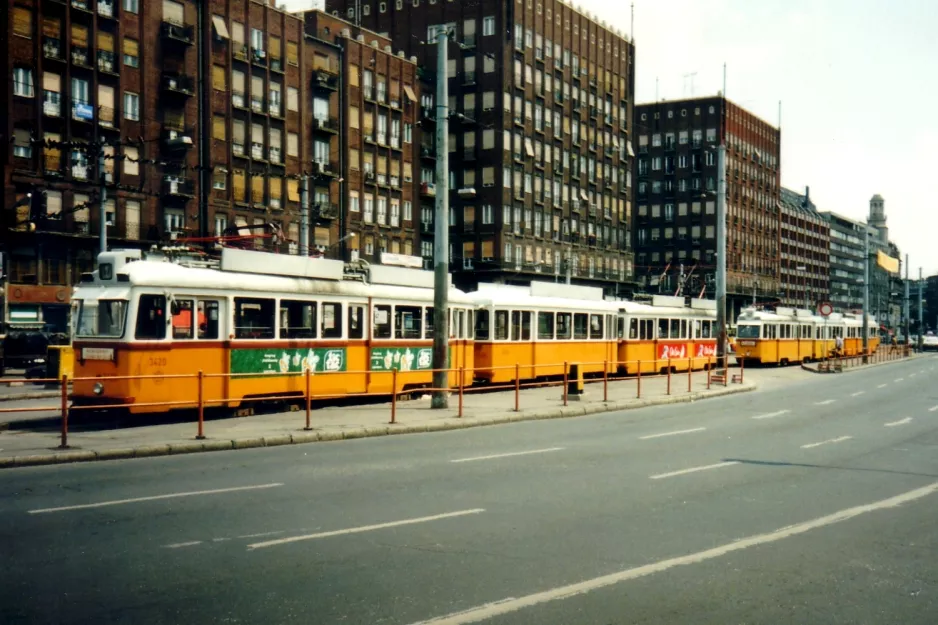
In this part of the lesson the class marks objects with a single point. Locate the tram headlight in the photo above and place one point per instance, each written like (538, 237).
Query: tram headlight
(98, 388)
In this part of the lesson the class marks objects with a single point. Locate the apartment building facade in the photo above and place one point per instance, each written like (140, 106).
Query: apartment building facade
(675, 224)
(804, 268)
(541, 108)
(846, 262)
(186, 118)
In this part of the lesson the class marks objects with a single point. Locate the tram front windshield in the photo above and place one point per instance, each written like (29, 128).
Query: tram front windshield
(101, 318)
(747, 331)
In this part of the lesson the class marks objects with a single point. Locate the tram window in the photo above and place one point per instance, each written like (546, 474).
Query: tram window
(515, 325)
(457, 324)
(470, 325)
(563, 325)
(356, 322)
(526, 325)
(407, 322)
(706, 329)
(580, 325)
(428, 321)
(182, 318)
(646, 329)
(331, 320)
(254, 318)
(151, 319)
(208, 319)
(298, 319)
(482, 325)
(501, 325)
(684, 333)
(771, 331)
(545, 326)
(633, 328)
(697, 329)
(747, 331)
(596, 327)
(382, 322)
(610, 327)
(662, 328)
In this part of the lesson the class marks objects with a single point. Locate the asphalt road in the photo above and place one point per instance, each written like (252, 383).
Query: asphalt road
(809, 502)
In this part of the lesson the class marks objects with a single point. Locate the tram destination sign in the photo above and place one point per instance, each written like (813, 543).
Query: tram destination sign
(288, 360)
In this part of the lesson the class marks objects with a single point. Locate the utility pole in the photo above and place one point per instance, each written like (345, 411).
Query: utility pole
(905, 303)
(304, 216)
(569, 262)
(921, 320)
(866, 290)
(721, 240)
(102, 180)
(440, 397)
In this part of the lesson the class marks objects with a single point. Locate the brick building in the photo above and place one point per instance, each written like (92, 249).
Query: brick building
(541, 103)
(203, 115)
(804, 268)
(675, 220)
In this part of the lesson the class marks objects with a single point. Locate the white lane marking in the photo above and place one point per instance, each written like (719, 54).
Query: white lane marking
(259, 534)
(179, 545)
(514, 604)
(913, 375)
(839, 439)
(675, 433)
(900, 422)
(364, 528)
(692, 470)
(824, 403)
(118, 502)
(772, 415)
(509, 455)
(898, 379)
(857, 394)
(933, 409)
(882, 386)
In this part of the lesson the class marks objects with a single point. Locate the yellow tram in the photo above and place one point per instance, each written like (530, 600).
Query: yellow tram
(253, 315)
(787, 336)
(667, 333)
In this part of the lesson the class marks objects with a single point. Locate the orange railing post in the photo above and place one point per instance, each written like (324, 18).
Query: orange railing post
(638, 381)
(690, 373)
(394, 395)
(64, 444)
(605, 380)
(669, 375)
(709, 370)
(462, 381)
(565, 383)
(742, 369)
(201, 433)
(517, 384)
(308, 399)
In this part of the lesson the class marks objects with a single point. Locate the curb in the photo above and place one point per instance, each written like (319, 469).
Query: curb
(33, 395)
(315, 436)
(865, 367)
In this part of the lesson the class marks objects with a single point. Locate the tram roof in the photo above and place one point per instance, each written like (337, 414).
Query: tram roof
(168, 275)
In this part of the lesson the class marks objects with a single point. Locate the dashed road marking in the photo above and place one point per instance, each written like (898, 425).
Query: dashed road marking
(831, 441)
(508, 455)
(118, 502)
(900, 422)
(718, 465)
(882, 385)
(675, 433)
(824, 403)
(857, 394)
(898, 379)
(771, 415)
(933, 409)
(191, 543)
(488, 611)
(364, 528)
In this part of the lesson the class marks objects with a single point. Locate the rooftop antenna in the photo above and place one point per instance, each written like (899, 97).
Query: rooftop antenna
(656, 88)
(632, 25)
(691, 76)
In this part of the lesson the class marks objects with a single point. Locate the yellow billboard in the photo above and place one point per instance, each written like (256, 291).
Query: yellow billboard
(887, 262)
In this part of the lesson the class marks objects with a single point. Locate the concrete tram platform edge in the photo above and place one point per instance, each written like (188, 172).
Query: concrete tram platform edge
(301, 437)
(813, 367)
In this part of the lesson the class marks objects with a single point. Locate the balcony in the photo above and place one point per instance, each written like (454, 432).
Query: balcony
(51, 103)
(428, 113)
(324, 168)
(107, 62)
(428, 152)
(177, 34)
(237, 99)
(326, 124)
(257, 105)
(80, 57)
(82, 111)
(276, 64)
(80, 171)
(81, 5)
(177, 187)
(176, 139)
(239, 52)
(107, 116)
(469, 154)
(259, 56)
(177, 85)
(257, 151)
(105, 9)
(52, 48)
(325, 80)
(368, 93)
(276, 155)
(469, 78)
(427, 189)
(326, 210)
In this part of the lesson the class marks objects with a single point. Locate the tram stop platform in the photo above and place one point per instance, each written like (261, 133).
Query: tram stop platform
(35, 440)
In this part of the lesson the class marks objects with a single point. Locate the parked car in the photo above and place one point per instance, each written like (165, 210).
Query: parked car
(930, 342)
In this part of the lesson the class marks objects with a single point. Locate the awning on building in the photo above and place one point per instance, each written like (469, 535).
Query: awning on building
(221, 29)
(409, 92)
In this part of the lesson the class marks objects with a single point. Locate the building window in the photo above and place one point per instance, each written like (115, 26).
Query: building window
(22, 146)
(131, 6)
(488, 26)
(23, 22)
(131, 106)
(220, 178)
(131, 52)
(23, 82)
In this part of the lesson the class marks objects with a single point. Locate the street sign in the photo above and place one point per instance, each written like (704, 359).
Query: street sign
(825, 309)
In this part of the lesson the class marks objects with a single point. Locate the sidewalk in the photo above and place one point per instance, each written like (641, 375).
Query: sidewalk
(855, 363)
(24, 448)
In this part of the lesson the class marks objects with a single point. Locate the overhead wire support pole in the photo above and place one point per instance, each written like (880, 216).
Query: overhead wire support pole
(440, 397)
(721, 243)
(866, 291)
(905, 304)
(921, 319)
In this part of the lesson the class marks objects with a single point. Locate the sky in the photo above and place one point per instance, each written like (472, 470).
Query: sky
(858, 86)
